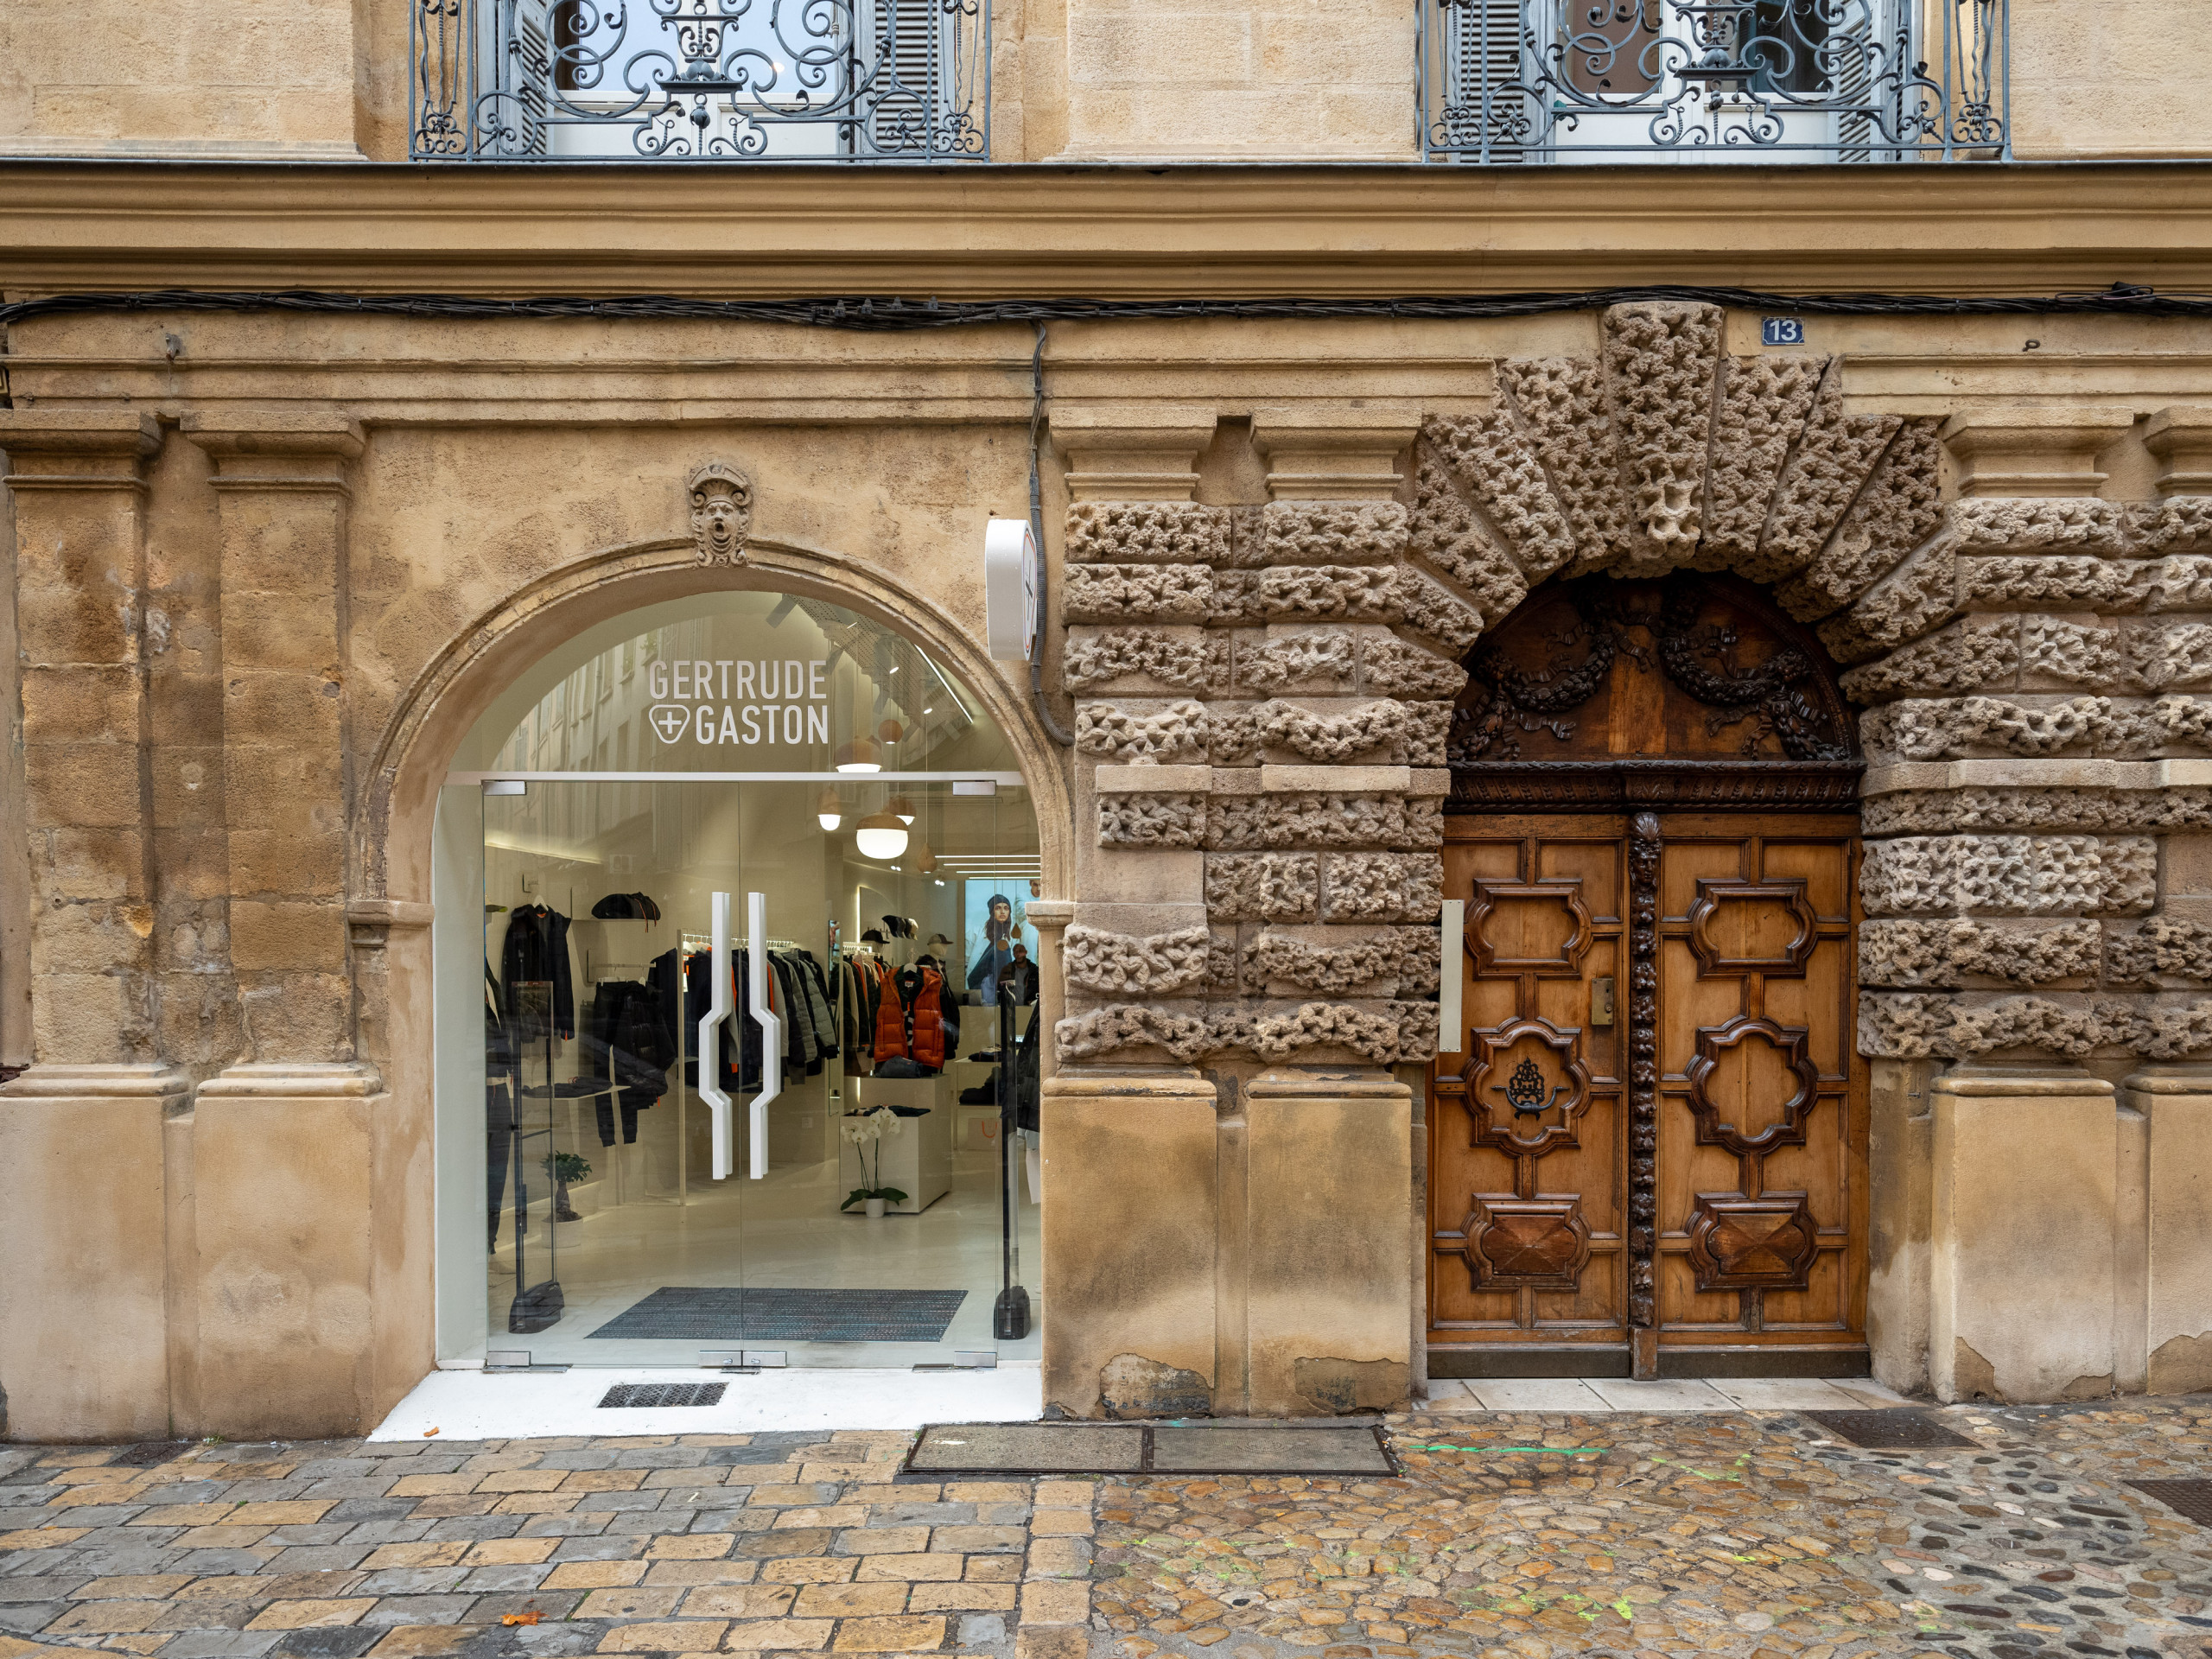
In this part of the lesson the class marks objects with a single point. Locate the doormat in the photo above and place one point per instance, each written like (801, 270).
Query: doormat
(1149, 1448)
(1889, 1431)
(735, 1314)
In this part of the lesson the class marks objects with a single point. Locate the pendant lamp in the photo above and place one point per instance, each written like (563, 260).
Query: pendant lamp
(880, 835)
(860, 754)
(901, 809)
(829, 810)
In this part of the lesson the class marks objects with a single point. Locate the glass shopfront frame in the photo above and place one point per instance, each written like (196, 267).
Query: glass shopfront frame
(591, 818)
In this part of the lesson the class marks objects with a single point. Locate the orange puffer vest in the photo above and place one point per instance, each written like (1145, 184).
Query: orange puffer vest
(916, 1029)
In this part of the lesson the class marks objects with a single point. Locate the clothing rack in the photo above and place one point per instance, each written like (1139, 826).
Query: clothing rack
(693, 943)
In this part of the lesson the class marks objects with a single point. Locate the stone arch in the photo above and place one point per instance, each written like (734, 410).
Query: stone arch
(1665, 454)
(397, 800)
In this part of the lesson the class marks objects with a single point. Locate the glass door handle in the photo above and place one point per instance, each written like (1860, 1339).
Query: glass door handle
(718, 1010)
(771, 1024)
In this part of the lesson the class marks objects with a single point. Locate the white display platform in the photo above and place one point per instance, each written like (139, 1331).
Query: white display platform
(917, 1160)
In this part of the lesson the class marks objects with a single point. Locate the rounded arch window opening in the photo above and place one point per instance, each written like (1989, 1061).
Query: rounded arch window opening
(828, 770)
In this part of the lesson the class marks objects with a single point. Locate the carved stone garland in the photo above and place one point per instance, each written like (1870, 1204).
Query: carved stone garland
(1643, 850)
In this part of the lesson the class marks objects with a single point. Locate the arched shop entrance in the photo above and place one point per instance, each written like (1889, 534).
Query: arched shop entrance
(868, 822)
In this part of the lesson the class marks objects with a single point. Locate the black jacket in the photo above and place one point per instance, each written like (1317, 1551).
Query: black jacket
(537, 950)
(627, 1039)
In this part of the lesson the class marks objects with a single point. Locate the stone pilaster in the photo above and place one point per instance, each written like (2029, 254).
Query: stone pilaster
(1050, 917)
(79, 496)
(84, 1328)
(1260, 699)
(281, 480)
(307, 1256)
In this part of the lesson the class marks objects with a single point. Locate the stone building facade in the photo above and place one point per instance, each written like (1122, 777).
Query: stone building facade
(272, 562)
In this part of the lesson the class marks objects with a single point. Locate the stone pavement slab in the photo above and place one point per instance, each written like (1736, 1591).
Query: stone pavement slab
(1531, 1519)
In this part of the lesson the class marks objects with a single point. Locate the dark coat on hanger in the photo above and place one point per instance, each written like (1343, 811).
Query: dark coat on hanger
(537, 950)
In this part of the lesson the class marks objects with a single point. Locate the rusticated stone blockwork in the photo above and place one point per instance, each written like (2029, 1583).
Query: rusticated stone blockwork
(2038, 674)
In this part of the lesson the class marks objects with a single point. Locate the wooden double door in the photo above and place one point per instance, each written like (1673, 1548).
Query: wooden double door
(1649, 1158)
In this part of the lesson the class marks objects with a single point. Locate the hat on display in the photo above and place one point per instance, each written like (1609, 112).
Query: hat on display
(874, 936)
(936, 940)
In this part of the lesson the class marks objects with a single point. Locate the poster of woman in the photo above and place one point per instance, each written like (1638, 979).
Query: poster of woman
(999, 941)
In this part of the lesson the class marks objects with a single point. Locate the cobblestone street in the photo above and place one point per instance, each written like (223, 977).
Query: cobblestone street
(1751, 1534)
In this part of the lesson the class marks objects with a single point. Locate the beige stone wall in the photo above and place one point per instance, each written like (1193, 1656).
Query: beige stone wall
(1076, 80)
(2106, 81)
(238, 79)
(1236, 80)
(249, 548)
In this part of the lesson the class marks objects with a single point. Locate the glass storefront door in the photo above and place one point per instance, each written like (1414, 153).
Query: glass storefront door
(885, 1213)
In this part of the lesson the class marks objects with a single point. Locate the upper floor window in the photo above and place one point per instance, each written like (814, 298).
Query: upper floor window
(1712, 80)
(578, 81)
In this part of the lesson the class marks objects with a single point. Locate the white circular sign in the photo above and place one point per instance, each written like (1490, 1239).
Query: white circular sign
(1011, 580)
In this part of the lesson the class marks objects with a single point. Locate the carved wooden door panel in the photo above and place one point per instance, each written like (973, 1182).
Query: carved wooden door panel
(1762, 1122)
(1527, 1139)
(1650, 1157)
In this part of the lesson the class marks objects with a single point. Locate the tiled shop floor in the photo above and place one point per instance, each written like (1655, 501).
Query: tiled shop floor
(1511, 1535)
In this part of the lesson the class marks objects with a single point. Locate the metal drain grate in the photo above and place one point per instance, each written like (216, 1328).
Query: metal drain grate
(636, 1394)
(2191, 1499)
(1888, 1431)
(151, 1454)
(1163, 1448)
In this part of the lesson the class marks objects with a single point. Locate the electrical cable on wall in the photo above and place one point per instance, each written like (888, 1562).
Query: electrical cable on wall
(1053, 729)
(893, 313)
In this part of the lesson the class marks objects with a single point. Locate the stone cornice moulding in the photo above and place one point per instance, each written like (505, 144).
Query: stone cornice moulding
(2035, 450)
(403, 913)
(1102, 232)
(294, 1080)
(77, 448)
(1133, 452)
(2181, 440)
(1331, 452)
(283, 449)
(2032, 1079)
(155, 1080)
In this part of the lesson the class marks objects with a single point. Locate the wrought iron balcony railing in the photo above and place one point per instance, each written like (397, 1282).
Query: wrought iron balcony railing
(1714, 81)
(700, 80)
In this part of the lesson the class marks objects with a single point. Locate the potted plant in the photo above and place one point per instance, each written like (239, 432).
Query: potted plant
(866, 1129)
(563, 1167)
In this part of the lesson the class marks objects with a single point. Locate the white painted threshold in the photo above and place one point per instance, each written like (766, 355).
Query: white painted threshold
(1002, 780)
(478, 1405)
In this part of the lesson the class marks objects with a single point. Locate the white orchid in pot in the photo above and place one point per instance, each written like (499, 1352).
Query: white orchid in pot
(866, 1129)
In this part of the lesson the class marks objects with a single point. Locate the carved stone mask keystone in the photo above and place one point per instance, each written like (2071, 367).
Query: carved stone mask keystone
(722, 512)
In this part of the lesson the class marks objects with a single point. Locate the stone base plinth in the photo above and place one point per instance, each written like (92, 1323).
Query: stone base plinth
(284, 1208)
(1328, 1206)
(1129, 1243)
(2021, 1247)
(84, 1330)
